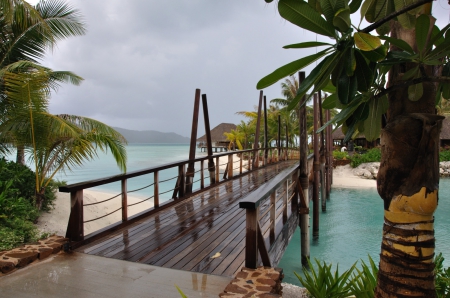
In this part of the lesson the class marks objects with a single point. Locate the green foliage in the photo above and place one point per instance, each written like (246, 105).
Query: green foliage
(180, 292)
(442, 281)
(340, 155)
(357, 64)
(322, 283)
(444, 155)
(371, 155)
(24, 183)
(16, 217)
(363, 283)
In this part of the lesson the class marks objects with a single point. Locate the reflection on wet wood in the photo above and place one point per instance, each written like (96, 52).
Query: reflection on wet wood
(191, 234)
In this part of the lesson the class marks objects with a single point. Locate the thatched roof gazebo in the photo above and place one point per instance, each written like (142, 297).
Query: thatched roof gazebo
(218, 139)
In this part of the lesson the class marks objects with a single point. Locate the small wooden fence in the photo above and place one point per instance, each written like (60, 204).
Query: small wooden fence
(209, 176)
(272, 213)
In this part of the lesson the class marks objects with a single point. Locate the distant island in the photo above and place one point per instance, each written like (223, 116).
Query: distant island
(152, 136)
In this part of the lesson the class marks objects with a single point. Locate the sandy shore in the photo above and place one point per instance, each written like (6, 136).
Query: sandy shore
(343, 177)
(56, 221)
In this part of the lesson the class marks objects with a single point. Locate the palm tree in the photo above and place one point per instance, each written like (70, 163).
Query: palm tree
(247, 130)
(54, 142)
(235, 137)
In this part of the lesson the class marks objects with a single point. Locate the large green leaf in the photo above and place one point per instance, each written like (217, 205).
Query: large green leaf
(415, 92)
(330, 8)
(354, 5)
(288, 69)
(401, 44)
(362, 112)
(365, 7)
(366, 42)
(330, 102)
(437, 36)
(372, 125)
(342, 20)
(422, 29)
(344, 114)
(304, 45)
(350, 62)
(301, 14)
(377, 55)
(405, 19)
(346, 88)
(363, 72)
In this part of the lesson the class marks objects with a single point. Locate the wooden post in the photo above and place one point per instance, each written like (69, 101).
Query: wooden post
(316, 168)
(304, 181)
(279, 138)
(251, 238)
(191, 170)
(182, 186)
(285, 201)
(230, 166)
(287, 143)
(75, 226)
(258, 123)
(156, 189)
(124, 201)
(266, 141)
(323, 152)
(217, 170)
(211, 166)
(240, 163)
(202, 174)
(272, 214)
(329, 166)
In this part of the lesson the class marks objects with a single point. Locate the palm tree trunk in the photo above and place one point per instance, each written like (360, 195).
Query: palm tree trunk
(408, 182)
(20, 157)
(40, 197)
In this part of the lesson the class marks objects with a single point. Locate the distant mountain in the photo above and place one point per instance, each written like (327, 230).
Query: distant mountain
(152, 136)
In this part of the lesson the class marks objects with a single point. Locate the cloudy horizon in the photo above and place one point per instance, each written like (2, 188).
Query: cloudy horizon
(143, 60)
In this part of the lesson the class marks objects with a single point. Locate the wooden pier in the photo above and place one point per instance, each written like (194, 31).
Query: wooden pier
(204, 233)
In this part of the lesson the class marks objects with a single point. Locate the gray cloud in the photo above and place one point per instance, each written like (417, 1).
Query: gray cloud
(142, 60)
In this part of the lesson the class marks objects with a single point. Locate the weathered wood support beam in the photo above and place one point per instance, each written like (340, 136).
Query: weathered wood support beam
(75, 226)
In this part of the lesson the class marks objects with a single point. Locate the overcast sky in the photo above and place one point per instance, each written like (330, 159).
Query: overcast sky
(143, 59)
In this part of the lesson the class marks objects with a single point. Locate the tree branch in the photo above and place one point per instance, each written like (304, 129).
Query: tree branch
(412, 82)
(393, 15)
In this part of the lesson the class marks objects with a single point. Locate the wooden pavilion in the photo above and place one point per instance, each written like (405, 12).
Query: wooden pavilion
(218, 139)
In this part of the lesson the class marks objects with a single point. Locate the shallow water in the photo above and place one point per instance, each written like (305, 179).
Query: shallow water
(351, 229)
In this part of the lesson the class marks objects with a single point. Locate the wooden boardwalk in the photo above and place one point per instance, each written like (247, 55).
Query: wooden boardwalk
(203, 233)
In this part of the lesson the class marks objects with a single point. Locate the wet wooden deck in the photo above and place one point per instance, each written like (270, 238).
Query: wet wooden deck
(204, 233)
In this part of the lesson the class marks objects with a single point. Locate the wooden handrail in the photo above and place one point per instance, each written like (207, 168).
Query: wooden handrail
(254, 241)
(75, 228)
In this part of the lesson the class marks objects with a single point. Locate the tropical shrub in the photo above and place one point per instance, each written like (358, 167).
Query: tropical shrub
(16, 217)
(372, 155)
(23, 181)
(363, 282)
(442, 281)
(340, 155)
(444, 155)
(322, 283)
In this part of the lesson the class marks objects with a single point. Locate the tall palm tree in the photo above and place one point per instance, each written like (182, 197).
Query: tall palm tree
(54, 142)
(247, 130)
(235, 137)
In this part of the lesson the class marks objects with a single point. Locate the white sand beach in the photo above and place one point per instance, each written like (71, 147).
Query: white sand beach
(343, 177)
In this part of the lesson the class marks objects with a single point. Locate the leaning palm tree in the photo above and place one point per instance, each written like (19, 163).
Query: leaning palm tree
(54, 142)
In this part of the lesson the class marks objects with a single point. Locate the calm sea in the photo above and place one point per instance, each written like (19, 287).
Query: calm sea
(350, 230)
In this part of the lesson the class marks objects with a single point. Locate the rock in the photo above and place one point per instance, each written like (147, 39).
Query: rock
(24, 258)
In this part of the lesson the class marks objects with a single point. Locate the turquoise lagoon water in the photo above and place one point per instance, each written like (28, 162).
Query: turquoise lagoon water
(351, 229)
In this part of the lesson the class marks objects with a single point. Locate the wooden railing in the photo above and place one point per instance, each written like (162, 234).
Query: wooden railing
(272, 217)
(208, 176)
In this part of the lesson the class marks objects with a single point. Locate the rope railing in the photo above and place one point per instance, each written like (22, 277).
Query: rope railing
(205, 174)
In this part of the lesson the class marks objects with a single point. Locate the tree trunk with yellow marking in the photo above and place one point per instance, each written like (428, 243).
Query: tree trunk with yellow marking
(408, 182)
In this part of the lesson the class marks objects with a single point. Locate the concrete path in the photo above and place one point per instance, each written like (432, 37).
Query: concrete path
(81, 275)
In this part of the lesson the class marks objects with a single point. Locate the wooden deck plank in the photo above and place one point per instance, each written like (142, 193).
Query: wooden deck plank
(186, 235)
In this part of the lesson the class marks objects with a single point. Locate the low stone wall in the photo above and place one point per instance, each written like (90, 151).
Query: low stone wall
(370, 170)
(263, 282)
(19, 257)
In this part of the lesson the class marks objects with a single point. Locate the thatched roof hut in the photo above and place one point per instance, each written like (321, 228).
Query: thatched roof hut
(360, 140)
(217, 133)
